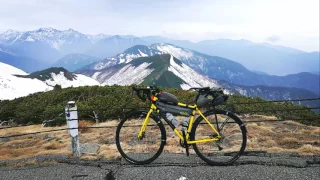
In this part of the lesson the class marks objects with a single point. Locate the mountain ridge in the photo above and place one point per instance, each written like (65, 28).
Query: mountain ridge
(214, 67)
(167, 71)
(49, 45)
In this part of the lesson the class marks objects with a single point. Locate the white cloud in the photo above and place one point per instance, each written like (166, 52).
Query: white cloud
(294, 21)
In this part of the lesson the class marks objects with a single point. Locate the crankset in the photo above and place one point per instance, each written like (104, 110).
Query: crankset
(182, 144)
(143, 136)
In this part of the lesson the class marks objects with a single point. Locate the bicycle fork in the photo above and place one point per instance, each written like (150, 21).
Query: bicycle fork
(144, 125)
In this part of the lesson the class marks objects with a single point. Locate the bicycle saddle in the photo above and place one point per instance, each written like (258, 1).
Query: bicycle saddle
(168, 98)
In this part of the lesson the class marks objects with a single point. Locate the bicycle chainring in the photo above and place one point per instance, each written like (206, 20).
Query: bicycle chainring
(182, 144)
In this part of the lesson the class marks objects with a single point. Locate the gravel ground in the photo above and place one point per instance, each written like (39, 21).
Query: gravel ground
(167, 166)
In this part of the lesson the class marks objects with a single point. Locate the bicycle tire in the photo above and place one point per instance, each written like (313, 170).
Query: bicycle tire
(157, 138)
(234, 135)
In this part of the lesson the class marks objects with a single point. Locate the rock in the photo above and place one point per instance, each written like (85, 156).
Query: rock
(89, 149)
(4, 139)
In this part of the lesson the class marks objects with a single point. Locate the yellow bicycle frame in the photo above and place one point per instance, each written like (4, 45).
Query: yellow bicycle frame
(154, 108)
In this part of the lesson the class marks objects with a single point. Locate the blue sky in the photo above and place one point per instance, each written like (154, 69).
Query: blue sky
(293, 23)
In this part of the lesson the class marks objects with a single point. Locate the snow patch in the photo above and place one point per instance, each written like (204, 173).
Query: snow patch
(6, 69)
(175, 51)
(131, 57)
(142, 54)
(129, 75)
(80, 80)
(191, 77)
(58, 44)
(12, 87)
(30, 39)
(95, 75)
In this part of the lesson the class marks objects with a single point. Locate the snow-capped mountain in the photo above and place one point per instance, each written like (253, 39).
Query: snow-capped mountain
(16, 83)
(125, 57)
(12, 86)
(164, 70)
(73, 62)
(60, 76)
(224, 69)
(50, 36)
(264, 57)
(48, 44)
(213, 67)
(45, 44)
(167, 71)
(9, 36)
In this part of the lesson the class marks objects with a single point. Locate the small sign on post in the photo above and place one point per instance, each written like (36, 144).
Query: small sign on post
(72, 122)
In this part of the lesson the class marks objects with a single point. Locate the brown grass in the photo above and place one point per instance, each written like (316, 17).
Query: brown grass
(83, 126)
(288, 136)
(308, 149)
(52, 145)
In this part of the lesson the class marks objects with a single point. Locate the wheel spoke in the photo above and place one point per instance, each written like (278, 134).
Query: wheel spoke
(146, 149)
(232, 142)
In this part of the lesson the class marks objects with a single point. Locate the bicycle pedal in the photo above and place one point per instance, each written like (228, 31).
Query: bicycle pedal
(219, 147)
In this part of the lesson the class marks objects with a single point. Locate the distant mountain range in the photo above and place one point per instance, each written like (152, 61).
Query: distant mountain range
(48, 45)
(212, 66)
(28, 64)
(124, 60)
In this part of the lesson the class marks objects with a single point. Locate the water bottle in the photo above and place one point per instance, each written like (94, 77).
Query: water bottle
(185, 123)
(172, 119)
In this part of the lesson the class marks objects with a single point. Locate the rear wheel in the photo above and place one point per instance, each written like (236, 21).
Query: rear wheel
(232, 144)
(146, 149)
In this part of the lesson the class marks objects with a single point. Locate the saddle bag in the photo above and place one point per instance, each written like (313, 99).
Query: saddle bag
(213, 96)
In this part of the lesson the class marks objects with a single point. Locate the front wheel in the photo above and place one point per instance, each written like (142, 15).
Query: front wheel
(140, 150)
(233, 137)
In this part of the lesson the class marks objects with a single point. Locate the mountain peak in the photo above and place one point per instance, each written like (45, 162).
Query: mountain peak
(70, 30)
(10, 31)
(46, 29)
(162, 69)
(116, 37)
(135, 48)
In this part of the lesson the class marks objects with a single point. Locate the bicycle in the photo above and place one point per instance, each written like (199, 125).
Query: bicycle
(216, 128)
